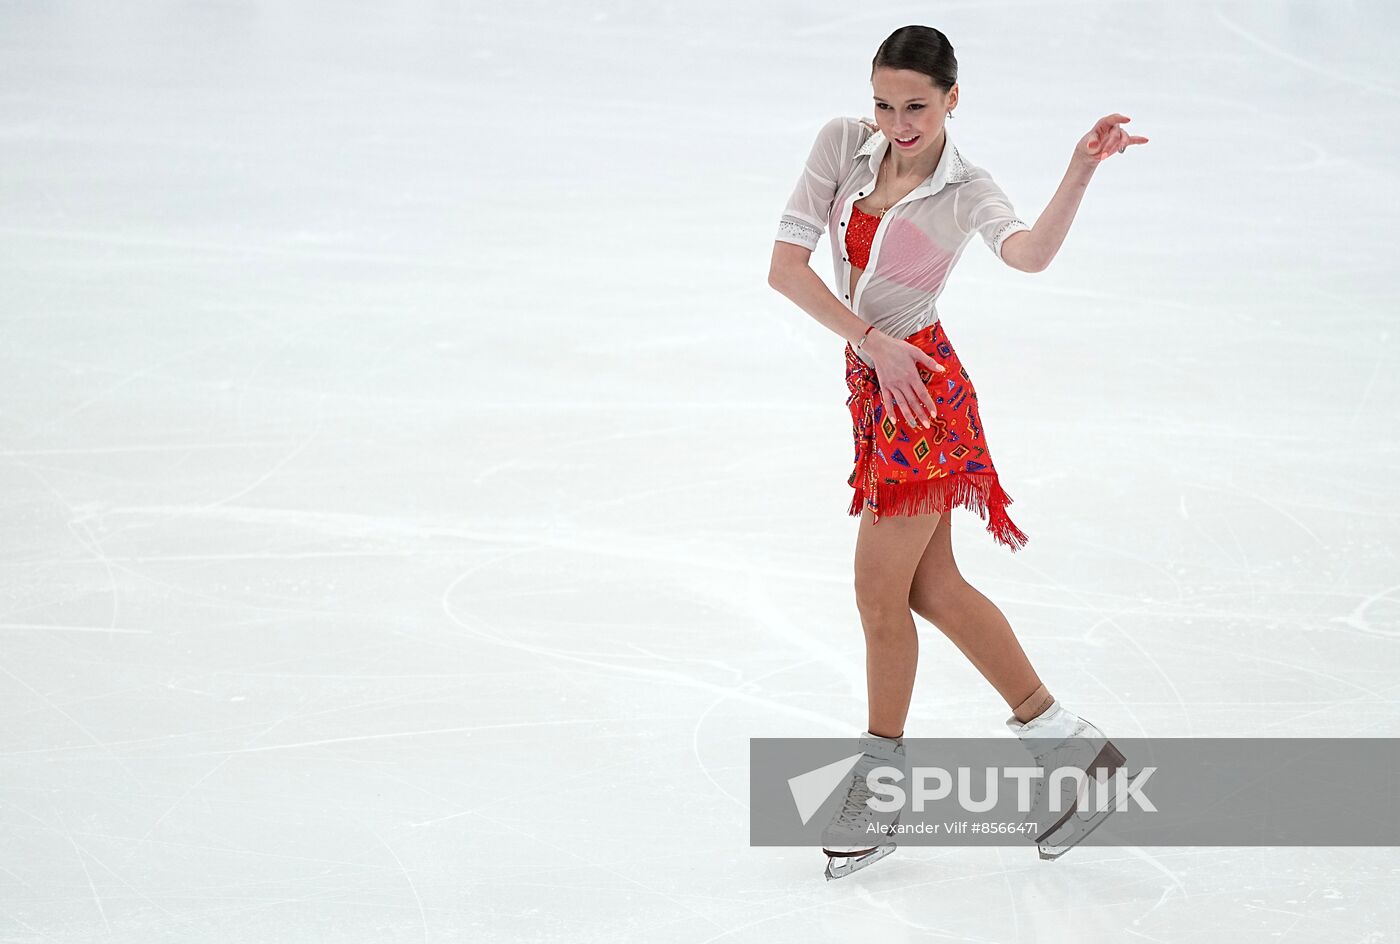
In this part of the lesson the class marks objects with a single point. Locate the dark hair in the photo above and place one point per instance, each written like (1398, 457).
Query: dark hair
(919, 49)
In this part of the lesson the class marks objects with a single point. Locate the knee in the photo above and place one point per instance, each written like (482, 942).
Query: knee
(882, 606)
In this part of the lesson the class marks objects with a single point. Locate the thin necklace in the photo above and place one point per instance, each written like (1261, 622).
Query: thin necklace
(878, 171)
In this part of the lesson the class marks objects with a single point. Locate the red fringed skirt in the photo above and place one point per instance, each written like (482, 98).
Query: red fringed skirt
(909, 470)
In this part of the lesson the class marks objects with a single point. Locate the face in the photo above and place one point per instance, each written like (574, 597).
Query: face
(909, 105)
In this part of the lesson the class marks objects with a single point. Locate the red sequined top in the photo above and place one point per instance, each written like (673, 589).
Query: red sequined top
(860, 233)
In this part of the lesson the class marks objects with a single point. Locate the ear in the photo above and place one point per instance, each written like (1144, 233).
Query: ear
(953, 97)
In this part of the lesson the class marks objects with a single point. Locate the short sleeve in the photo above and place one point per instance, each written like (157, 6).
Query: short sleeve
(992, 214)
(805, 217)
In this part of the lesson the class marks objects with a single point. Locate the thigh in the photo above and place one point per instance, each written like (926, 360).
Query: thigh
(887, 554)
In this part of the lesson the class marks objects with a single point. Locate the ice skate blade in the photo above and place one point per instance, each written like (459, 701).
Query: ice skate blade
(854, 863)
(1057, 850)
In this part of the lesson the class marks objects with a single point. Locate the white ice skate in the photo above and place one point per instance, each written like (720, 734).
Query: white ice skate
(1059, 738)
(849, 839)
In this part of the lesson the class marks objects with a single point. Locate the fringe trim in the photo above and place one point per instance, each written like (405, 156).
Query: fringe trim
(979, 492)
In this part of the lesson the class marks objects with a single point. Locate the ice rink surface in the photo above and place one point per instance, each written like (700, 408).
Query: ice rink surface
(414, 496)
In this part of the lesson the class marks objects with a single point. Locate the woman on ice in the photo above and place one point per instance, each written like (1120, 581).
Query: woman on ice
(900, 203)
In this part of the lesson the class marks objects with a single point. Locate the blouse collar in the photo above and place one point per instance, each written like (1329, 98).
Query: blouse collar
(951, 167)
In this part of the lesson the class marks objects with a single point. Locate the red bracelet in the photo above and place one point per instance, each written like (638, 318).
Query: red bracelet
(863, 337)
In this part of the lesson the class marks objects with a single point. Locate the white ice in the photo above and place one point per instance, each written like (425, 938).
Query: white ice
(414, 497)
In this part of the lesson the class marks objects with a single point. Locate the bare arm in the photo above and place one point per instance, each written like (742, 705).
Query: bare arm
(1032, 250)
(791, 274)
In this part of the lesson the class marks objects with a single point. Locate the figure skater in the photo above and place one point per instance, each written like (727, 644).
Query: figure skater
(900, 204)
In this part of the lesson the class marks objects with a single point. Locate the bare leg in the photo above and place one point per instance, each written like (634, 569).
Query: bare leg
(887, 553)
(975, 625)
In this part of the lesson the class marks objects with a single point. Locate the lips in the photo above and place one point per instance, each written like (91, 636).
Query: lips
(908, 143)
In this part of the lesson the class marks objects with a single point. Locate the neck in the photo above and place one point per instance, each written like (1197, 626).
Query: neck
(920, 166)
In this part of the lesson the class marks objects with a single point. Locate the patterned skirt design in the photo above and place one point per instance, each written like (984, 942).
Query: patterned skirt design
(908, 470)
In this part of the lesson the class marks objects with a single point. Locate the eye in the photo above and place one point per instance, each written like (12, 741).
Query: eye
(916, 106)
(881, 105)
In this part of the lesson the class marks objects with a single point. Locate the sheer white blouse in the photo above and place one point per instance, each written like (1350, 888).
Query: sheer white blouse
(919, 238)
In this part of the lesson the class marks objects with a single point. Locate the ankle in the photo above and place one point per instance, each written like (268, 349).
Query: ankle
(1034, 705)
(888, 737)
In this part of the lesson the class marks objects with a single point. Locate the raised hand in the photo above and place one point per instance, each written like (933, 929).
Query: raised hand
(1108, 137)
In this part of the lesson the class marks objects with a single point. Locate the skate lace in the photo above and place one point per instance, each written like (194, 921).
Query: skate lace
(856, 807)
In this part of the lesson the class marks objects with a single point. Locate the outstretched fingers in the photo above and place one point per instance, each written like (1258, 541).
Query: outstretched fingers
(916, 404)
(1109, 137)
(911, 409)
